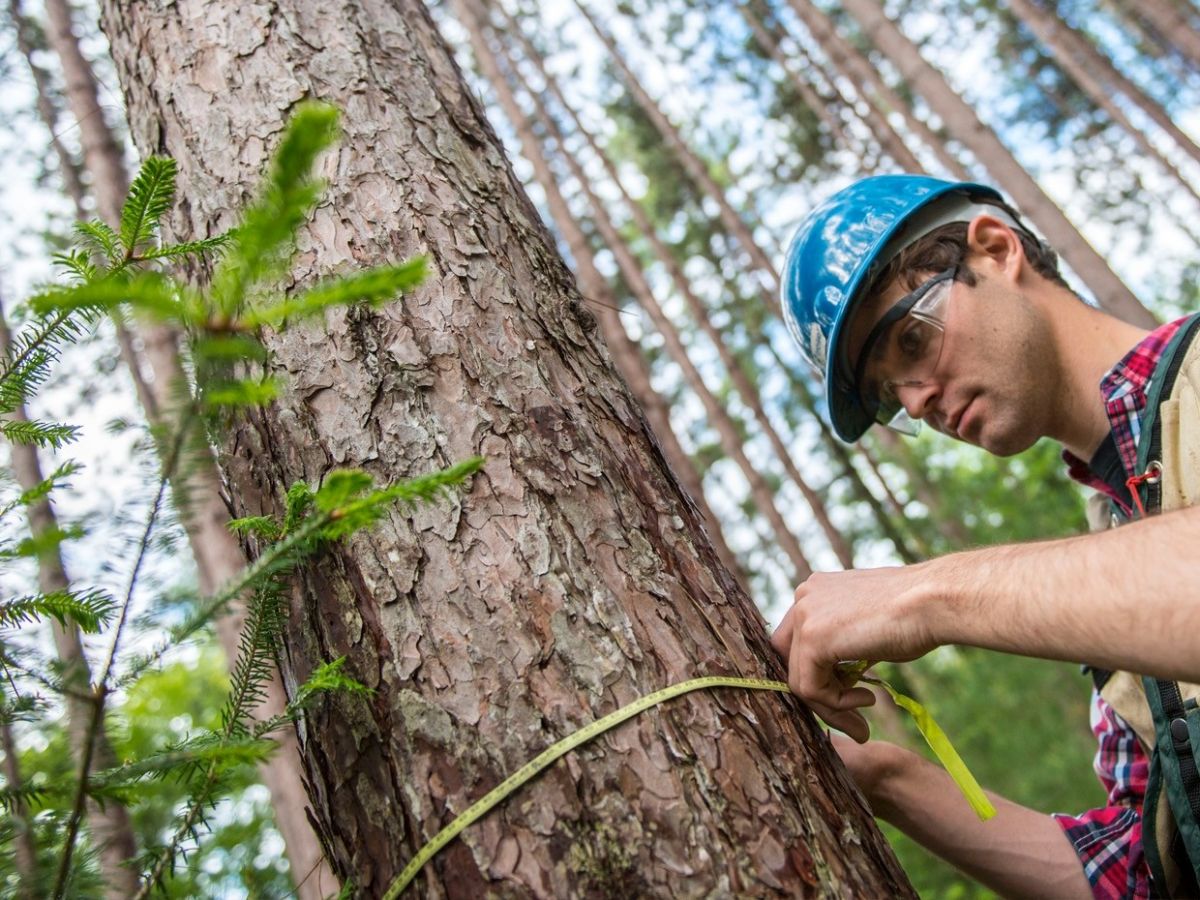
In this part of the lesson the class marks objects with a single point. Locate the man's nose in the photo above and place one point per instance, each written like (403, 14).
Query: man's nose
(919, 398)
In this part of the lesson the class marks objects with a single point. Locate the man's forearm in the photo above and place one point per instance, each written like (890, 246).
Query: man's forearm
(1018, 853)
(1128, 598)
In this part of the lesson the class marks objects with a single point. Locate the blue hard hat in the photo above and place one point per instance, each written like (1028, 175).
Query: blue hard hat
(835, 255)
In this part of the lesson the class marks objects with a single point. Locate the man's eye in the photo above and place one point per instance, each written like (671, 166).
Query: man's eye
(911, 342)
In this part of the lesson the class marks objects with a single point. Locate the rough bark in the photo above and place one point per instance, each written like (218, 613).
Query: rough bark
(568, 579)
(202, 511)
(745, 388)
(1051, 31)
(962, 123)
(728, 430)
(111, 832)
(626, 354)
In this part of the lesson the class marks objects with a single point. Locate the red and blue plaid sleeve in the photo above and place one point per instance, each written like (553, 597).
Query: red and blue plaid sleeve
(1109, 839)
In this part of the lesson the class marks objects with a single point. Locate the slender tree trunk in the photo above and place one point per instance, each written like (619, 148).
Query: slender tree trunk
(570, 578)
(24, 845)
(877, 93)
(1050, 31)
(1173, 27)
(1100, 66)
(824, 110)
(962, 123)
(202, 510)
(112, 834)
(691, 162)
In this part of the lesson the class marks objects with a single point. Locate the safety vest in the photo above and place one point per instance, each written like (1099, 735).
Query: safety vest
(1164, 714)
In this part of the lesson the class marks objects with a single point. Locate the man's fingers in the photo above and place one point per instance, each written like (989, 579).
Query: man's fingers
(847, 721)
(781, 640)
(853, 698)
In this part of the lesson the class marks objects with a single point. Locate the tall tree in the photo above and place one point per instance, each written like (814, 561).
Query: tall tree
(202, 511)
(571, 578)
(963, 124)
(1052, 33)
(878, 95)
(1174, 27)
(1114, 80)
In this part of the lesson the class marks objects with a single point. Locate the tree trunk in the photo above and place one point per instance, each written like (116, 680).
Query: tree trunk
(719, 418)
(218, 557)
(1114, 80)
(824, 110)
(24, 847)
(876, 93)
(626, 354)
(111, 832)
(1050, 31)
(570, 578)
(745, 388)
(1173, 27)
(962, 123)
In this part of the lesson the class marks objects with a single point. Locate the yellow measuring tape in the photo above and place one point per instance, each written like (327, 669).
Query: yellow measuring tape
(934, 736)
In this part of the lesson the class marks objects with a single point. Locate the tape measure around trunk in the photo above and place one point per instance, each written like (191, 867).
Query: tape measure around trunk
(938, 742)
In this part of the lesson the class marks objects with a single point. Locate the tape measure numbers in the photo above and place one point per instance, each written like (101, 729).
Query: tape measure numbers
(938, 743)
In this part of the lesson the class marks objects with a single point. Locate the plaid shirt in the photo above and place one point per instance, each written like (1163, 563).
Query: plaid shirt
(1109, 839)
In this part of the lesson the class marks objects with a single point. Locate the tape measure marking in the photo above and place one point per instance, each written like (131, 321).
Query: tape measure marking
(934, 736)
(593, 729)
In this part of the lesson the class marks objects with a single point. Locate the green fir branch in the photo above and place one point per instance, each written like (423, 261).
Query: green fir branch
(262, 243)
(90, 610)
(27, 364)
(76, 262)
(150, 197)
(45, 542)
(241, 393)
(188, 248)
(56, 479)
(196, 753)
(151, 292)
(40, 434)
(367, 510)
(255, 665)
(373, 287)
(262, 527)
(99, 237)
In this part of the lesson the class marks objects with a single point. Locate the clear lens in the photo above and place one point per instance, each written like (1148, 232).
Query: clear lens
(906, 355)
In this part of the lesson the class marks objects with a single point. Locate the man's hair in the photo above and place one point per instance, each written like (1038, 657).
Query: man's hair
(946, 246)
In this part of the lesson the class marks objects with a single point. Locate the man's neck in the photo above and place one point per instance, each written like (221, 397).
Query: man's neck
(1089, 343)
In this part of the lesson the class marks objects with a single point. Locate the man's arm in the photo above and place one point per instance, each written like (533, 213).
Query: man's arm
(1018, 853)
(1128, 598)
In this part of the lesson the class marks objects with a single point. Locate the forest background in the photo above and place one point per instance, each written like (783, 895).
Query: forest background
(672, 147)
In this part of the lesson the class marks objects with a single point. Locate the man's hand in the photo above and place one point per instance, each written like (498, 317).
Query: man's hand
(871, 614)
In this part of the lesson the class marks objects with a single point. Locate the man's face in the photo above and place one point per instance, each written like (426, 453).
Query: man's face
(989, 387)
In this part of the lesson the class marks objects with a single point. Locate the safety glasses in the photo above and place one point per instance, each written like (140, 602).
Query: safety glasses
(903, 350)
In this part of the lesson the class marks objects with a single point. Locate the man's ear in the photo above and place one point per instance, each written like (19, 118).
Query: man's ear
(992, 241)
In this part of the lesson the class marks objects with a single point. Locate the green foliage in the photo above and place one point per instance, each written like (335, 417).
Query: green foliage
(109, 271)
(89, 610)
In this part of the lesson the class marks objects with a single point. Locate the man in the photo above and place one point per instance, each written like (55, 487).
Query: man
(924, 300)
